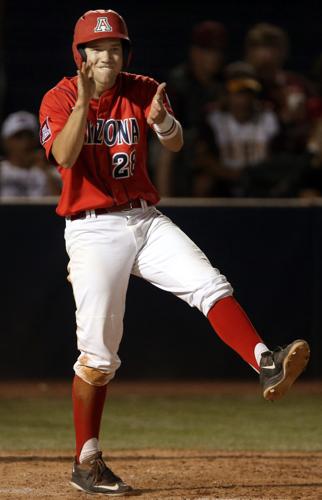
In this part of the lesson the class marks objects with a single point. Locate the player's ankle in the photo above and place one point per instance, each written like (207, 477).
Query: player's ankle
(89, 449)
(260, 348)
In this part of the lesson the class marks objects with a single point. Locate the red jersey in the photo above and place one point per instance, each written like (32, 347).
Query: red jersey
(112, 166)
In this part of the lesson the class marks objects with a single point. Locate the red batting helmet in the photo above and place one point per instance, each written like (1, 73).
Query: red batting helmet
(96, 24)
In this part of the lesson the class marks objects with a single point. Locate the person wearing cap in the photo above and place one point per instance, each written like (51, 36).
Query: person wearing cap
(238, 137)
(24, 170)
(195, 87)
(288, 93)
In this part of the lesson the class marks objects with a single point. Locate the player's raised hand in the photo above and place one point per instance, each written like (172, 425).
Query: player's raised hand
(85, 83)
(157, 111)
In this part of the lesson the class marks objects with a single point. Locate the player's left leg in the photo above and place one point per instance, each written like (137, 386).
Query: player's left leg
(101, 251)
(171, 261)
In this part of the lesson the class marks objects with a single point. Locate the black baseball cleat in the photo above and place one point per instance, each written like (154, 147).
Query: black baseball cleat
(280, 368)
(95, 477)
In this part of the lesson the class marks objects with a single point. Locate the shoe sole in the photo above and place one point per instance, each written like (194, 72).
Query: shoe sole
(293, 365)
(107, 493)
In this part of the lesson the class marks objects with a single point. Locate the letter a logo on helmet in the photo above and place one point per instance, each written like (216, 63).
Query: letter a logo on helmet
(102, 25)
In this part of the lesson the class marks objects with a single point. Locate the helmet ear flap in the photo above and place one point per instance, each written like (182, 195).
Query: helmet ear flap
(81, 50)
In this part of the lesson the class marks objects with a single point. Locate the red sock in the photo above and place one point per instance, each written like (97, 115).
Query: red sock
(88, 404)
(233, 326)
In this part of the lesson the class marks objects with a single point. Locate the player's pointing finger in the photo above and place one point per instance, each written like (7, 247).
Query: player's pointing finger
(160, 89)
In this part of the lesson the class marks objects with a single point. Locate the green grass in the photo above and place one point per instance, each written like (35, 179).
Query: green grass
(202, 422)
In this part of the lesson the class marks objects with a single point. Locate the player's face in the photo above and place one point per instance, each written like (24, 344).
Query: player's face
(106, 58)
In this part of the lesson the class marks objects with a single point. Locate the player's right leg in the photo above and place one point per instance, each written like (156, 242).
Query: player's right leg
(171, 261)
(101, 251)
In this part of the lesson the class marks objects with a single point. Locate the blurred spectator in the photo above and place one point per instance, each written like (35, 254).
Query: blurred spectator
(315, 103)
(25, 171)
(316, 74)
(2, 83)
(2, 65)
(236, 139)
(310, 185)
(286, 92)
(195, 87)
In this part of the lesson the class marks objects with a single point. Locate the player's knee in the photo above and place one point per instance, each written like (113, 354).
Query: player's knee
(213, 290)
(92, 375)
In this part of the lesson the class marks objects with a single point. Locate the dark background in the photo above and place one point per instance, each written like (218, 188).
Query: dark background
(38, 37)
(271, 255)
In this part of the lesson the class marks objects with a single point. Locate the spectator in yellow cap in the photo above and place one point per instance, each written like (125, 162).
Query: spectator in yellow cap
(235, 138)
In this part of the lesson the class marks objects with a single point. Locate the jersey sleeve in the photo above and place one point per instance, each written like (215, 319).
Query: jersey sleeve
(149, 92)
(54, 112)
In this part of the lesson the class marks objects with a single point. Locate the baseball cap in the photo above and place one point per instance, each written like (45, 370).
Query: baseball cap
(16, 122)
(241, 84)
(209, 35)
(241, 76)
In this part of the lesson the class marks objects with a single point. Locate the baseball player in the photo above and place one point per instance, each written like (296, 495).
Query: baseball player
(94, 126)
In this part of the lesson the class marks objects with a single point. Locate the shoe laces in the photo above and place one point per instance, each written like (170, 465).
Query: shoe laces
(99, 469)
(273, 354)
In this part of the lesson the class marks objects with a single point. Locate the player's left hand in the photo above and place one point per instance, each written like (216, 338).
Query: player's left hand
(157, 111)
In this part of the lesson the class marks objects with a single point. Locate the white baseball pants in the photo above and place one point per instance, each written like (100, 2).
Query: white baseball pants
(105, 250)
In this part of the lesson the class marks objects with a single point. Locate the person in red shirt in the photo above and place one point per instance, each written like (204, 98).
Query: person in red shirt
(94, 126)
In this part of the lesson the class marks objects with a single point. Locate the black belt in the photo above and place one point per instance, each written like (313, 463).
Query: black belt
(116, 208)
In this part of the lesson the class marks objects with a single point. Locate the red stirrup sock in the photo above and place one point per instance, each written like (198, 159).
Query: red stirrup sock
(88, 404)
(233, 326)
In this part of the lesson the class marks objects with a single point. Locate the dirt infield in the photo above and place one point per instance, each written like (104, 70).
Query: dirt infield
(173, 475)
(34, 389)
(166, 474)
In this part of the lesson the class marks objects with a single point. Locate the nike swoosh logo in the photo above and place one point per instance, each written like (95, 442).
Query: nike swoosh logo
(113, 487)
